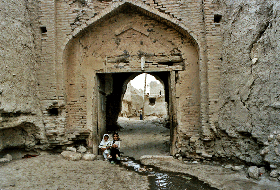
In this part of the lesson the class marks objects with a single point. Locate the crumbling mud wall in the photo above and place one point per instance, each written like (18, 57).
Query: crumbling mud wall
(21, 123)
(249, 122)
(132, 101)
(155, 104)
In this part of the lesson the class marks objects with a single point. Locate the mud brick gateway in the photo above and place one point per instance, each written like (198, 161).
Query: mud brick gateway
(65, 65)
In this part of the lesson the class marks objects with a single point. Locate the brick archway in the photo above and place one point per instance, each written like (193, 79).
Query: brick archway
(116, 43)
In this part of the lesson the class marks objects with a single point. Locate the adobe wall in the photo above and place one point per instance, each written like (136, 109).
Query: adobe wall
(21, 122)
(159, 107)
(132, 101)
(249, 114)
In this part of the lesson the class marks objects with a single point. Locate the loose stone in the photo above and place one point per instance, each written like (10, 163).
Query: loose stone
(274, 174)
(81, 149)
(89, 157)
(253, 172)
(73, 149)
(8, 156)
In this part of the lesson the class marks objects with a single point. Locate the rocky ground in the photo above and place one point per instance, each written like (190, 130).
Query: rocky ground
(51, 171)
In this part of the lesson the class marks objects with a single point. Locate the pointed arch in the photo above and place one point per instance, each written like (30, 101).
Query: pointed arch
(117, 7)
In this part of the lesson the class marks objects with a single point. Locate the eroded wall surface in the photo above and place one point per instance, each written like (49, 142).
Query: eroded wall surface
(132, 101)
(21, 123)
(249, 114)
(155, 104)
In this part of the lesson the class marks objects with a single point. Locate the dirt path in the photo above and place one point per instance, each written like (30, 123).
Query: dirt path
(54, 172)
(147, 137)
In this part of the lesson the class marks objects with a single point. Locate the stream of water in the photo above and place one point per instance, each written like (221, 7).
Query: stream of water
(163, 180)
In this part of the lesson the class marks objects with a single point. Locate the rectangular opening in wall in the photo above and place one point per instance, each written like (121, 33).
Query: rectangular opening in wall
(217, 18)
(53, 111)
(43, 29)
(152, 101)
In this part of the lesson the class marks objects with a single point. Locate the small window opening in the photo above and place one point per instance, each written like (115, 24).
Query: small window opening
(217, 18)
(43, 29)
(53, 112)
(152, 101)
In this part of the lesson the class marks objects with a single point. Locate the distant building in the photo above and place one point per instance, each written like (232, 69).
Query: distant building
(155, 104)
(132, 101)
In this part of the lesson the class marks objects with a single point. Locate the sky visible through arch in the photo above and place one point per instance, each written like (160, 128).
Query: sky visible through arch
(139, 81)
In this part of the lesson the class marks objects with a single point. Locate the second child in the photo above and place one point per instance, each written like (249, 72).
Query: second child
(115, 149)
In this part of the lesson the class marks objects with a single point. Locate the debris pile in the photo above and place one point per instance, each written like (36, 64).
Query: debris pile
(73, 154)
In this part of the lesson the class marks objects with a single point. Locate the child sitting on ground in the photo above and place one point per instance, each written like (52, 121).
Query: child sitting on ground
(105, 146)
(115, 149)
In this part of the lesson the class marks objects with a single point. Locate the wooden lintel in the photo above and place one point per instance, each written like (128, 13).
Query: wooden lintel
(138, 69)
(165, 59)
(148, 59)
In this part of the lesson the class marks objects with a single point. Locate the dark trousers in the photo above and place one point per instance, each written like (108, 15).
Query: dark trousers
(114, 151)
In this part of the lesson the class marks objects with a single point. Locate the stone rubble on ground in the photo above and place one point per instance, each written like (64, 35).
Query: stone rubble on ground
(9, 157)
(6, 158)
(89, 157)
(237, 168)
(72, 156)
(229, 166)
(273, 166)
(81, 149)
(274, 173)
(271, 151)
(73, 149)
(253, 172)
(75, 155)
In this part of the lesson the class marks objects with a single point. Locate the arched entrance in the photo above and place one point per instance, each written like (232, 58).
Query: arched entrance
(106, 54)
(112, 87)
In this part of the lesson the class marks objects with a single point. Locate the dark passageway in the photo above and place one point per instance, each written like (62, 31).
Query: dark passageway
(148, 137)
(114, 89)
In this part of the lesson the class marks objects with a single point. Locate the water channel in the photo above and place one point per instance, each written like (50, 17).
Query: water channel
(164, 180)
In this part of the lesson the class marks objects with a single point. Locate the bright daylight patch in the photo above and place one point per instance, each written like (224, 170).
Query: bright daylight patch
(139, 81)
